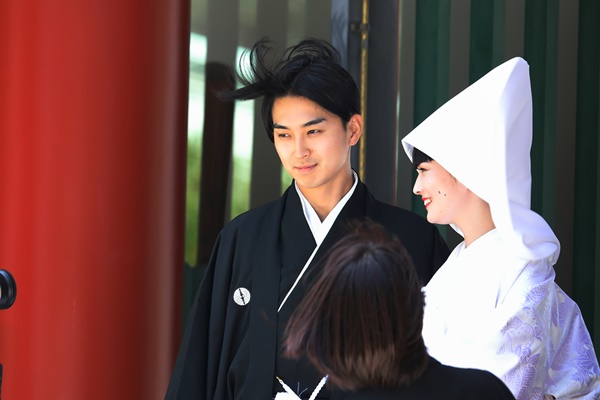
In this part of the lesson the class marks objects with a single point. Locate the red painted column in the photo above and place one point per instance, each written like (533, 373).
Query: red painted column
(93, 107)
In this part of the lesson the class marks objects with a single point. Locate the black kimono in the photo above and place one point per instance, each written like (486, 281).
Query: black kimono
(231, 348)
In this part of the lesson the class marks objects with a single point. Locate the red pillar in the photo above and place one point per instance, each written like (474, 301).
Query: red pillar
(93, 107)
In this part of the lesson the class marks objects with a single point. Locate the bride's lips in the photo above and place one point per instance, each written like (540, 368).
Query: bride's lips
(426, 201)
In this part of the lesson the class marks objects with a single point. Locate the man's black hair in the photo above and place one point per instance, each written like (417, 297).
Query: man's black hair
(310, 69)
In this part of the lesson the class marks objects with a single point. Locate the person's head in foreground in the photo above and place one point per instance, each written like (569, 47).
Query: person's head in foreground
(361, 321)
(472, 158)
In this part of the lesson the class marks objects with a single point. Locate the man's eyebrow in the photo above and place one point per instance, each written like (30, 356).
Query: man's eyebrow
(314, 122)
(306, 124)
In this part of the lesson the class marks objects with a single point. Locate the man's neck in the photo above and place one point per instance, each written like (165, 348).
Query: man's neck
(324, 199)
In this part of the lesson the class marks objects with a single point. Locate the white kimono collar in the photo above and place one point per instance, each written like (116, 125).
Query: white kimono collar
(321, 229)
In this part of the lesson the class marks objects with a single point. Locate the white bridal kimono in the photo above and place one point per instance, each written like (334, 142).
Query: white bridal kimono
(488, 309)
(495, 305)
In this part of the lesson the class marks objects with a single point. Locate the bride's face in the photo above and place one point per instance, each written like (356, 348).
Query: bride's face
(443, 196)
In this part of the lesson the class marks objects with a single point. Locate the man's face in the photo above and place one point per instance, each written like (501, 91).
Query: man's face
(313, 145)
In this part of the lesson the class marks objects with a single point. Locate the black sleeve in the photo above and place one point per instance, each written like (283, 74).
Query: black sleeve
(422, 241)
(440, 251)
(189, 379)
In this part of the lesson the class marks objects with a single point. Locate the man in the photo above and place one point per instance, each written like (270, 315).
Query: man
(265, 259)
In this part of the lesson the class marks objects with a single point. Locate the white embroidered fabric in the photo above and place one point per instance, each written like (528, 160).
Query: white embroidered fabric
(487, 309)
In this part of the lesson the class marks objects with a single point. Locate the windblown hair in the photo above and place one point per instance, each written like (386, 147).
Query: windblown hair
(419, 157)
(310, 69)
(361, 322)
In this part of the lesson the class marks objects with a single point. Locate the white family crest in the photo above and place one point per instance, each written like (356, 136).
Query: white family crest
(241, 296)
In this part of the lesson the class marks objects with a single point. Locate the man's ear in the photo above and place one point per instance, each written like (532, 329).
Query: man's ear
(355, 126)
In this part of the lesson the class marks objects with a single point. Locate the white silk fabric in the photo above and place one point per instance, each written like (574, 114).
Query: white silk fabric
(487, 309)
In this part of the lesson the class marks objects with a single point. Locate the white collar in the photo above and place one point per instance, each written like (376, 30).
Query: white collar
(321, 229)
